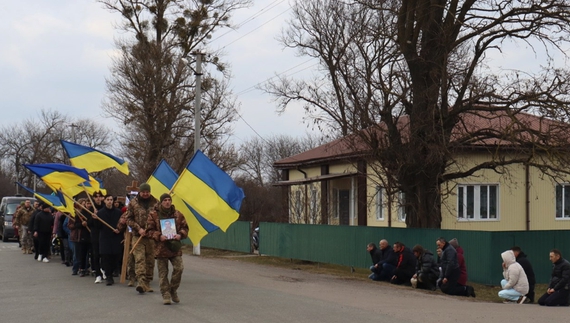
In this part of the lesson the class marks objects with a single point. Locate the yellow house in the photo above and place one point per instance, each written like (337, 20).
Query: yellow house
(334, 184)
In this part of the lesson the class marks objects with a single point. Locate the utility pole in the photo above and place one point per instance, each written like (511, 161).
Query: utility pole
(197, 116)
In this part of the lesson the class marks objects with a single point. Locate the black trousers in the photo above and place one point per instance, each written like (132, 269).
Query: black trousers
(81, 251)
(109, 264)
(44, 243)
(452, 287)
(96, 258)
(558, 298)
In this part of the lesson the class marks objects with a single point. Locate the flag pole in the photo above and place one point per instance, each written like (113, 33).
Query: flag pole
(197, 118)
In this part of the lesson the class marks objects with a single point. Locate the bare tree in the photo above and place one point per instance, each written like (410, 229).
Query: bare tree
(409, 83)
(151, 91)
(36, 141)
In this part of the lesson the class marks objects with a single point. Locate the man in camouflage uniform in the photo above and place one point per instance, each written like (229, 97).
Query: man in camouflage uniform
(21, 221)
(168, 250)
(137, 218)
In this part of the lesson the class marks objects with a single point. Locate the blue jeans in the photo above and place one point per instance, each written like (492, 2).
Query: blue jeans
(509, 294)
(74, 261)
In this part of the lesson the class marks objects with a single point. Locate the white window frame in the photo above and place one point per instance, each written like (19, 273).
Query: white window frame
(562, 210)
(402, 207)
(379, 200)
(476, 204)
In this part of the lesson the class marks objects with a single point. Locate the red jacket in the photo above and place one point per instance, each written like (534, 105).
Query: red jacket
(462, 268)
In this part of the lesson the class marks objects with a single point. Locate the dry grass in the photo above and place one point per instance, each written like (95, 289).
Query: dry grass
(484, 293)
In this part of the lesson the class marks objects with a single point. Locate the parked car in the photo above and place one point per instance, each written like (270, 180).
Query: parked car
(7, 209)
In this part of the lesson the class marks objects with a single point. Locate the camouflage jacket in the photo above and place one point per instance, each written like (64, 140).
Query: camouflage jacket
(137, 214)
(22, 217)
(163, 249)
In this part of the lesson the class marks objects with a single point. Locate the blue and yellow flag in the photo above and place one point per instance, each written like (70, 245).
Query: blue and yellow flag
(58, 176)
(209, 191)
(161, 181)
(91, 186)
(55, 200)
(91, 159)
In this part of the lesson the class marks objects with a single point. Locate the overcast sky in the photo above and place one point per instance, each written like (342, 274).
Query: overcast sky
(57, 54)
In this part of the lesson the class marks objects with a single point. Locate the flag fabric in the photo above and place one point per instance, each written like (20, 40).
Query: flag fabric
(58, 176)
(161, 181)
(55, 200)
(209, 191)
(93, 160)
(91, 186)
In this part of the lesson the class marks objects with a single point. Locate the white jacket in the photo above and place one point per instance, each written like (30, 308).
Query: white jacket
(514, 273)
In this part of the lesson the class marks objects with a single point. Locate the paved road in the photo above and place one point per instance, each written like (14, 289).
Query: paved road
(225, 290)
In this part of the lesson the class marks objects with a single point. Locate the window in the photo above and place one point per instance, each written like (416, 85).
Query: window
(477, 202)
(379, 203)
(402, 207)
(335, 203)
(313, 206)
(563, 201)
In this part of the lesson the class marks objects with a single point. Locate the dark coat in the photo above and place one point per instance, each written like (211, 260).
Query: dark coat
(109, 241)
(79, 233)
(406, 262)
(448, 261)
(527, 267)
(43, 222)
(560, 275)
(388, 256)
(32, 223)
(376, 255)
(426, 264)
(462, 266)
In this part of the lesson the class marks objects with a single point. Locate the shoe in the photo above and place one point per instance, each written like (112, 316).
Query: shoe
(29, 252)
(508, 301)
(470, 291)
(24, 251)
(110, 281)
(40, 258)
(521, 299)
(148, 289)
(98, 280)
(175, 298)
(74, 273)
(140, 289)
(131, 283)
(81, 273)
(45, 260)
(166, 299)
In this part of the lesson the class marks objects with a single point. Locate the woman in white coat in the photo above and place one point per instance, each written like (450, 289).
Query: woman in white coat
(515, 285)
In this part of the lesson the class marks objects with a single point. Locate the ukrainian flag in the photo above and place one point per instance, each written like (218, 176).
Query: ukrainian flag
(58, 176)
(55, 200)
(91, 159)
(161, 181)
(91, 186)
(209, 192)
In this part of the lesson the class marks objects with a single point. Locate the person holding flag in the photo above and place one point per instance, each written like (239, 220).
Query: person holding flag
(143, 248)
(168, 247)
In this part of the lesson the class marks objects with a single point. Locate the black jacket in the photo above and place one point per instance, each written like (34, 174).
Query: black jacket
(376, 255)
(388, 256)
(560, 275)
(406, 262)
(527, 267)
(448, 261)
(43, 222)
(427, 264)
(109, 241)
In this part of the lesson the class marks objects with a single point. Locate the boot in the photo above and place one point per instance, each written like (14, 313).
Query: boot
(131, 282)
(140, 286)
(147, 287)
(166, 299)
(174, 296)
(24, 251)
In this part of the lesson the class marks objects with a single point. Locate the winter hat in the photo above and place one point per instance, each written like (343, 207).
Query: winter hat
(454, 243)
(144, 187)
(165, 196)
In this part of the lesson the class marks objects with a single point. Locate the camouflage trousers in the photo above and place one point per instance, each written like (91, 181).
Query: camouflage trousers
(131, 275)
(177, 269)
(144, 258)
(25, 237)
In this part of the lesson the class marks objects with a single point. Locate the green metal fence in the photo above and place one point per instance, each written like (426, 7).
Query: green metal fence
(346, 245)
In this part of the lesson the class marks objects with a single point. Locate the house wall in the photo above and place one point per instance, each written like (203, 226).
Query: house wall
(372, 182)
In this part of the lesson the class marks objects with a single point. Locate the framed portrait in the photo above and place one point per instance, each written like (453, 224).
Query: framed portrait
(168, 228)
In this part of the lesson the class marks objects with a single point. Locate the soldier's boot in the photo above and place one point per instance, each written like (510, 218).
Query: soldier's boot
(140, 286)
(131, 282)
(24, 251)
(174, 296)
(166, 299)
(148, 288)
(30, 251)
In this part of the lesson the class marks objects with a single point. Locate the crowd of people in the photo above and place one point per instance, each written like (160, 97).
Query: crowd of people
(91, 241)
(420, 268)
